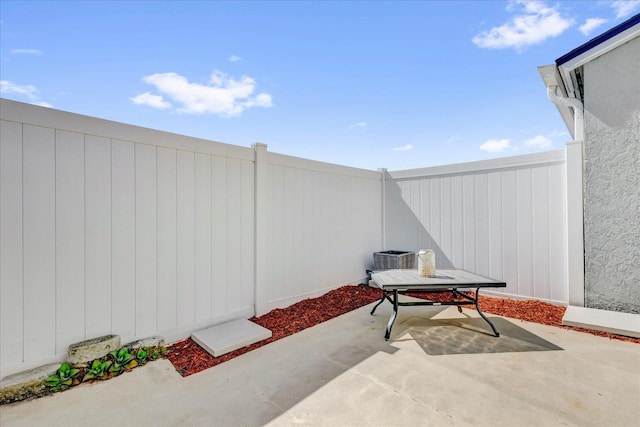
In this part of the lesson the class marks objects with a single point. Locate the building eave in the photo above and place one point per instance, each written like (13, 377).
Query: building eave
(567, 69)
(594, 48)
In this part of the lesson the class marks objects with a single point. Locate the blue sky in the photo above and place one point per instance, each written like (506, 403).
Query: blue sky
(366, 84)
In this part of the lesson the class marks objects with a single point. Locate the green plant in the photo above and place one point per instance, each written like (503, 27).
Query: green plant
(122, 361)
(149, 353)
(99, 370)
(113, 364)
(142, 355)
(156, 353)
(65, 377)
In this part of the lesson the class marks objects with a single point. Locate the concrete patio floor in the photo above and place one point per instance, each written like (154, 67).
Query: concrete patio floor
(439, 368)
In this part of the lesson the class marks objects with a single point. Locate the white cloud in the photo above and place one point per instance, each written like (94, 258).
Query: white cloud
(591, 24)
(538, 141)
(624, 8)
(155, 101)
(535, 23)
(28, 91)
(27, 51)
(404, 148)
(223, 95)
(496, 145)
(360, 125)
(234, 58)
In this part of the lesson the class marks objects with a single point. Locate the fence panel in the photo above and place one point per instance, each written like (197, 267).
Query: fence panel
(503, 218)
(324, 223)
(111, 228)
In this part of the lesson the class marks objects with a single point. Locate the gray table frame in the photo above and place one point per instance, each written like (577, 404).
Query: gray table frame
(396, 282)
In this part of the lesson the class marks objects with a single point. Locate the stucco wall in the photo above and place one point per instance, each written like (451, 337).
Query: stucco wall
(612, 180)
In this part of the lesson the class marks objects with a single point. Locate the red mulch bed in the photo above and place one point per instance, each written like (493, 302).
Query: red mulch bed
(189, 358)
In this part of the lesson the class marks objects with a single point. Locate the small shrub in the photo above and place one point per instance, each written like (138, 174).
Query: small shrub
(65, 377)
(122, 361)
(99, 370)
(112, 365)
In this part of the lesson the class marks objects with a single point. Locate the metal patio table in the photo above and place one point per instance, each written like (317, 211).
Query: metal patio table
(396, 282)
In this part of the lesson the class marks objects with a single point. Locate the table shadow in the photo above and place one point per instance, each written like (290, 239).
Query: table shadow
(473, 336)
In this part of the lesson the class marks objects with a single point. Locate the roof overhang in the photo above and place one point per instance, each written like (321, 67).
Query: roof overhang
(551, 77)
(567, 71)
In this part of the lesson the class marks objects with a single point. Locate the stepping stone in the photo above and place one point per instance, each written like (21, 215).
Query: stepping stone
(226, 337)
(25, 384)
(626, 324)
(86, 351)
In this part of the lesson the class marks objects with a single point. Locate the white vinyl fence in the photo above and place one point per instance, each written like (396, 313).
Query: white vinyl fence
(322, 225)
(111, 228)
(504, 218)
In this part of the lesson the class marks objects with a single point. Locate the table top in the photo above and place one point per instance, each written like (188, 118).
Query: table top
(445, 279)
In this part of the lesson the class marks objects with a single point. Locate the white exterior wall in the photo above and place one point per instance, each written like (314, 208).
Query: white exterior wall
(504, 218)
(612, 179)
(109, 228)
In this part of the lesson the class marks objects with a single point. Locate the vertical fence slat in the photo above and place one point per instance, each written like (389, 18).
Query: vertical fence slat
(123, 239)
(276, 228)
(482, 236)
(421, 204)
(11, 245)
(185, 298)
(457, 222)
(146, 240)
(219, 231)
(469, 221)
(557, 247)
(98, 236)
(510, 231)
(446, 238)
(39, 215)
(247, 268)
(234, 236)
(167, 239)
(540, 232)
(307, 212)
(524, 232)
(203, 268)
(70, 239)
(435, 201)
(494, 200)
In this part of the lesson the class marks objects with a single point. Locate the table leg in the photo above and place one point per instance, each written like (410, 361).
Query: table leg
(455, 295)
(384, 296)
(392, 319)
(379, 302)
(495, 332)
